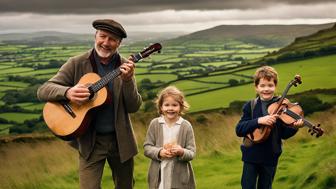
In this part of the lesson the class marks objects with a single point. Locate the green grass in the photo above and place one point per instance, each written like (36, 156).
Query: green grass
(4, 128)
(194, 86)
(18, 117)
(157, 77)
(316, 73)
(306, 162)
(14, 84)
(15, 70)
(31, 105)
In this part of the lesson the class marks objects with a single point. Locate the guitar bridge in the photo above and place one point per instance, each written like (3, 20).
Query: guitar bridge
(68, 109)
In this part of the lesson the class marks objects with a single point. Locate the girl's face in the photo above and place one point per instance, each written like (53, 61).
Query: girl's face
(266, 89)
(170, 109)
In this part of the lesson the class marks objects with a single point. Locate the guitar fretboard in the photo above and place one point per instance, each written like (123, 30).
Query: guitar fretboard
(111, 75)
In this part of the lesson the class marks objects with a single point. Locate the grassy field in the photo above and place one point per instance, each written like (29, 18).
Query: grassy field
(306, 162)
(315, 73)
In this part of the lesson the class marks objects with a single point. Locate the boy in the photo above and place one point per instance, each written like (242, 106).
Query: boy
(261, 159)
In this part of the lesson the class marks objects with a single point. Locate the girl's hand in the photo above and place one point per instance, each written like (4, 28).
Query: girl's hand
(164, 153)
(177, 150)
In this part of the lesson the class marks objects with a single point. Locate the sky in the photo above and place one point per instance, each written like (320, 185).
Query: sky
(186, 16)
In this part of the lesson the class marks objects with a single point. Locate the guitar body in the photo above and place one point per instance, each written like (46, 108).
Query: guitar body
(260, 134)
(65, 126)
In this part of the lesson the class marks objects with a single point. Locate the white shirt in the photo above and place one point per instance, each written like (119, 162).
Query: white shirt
(170, 135)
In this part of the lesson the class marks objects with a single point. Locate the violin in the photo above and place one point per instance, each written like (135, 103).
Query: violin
(291, 112)
(288, 112)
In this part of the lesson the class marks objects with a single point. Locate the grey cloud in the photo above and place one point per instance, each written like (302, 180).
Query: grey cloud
(131, 6)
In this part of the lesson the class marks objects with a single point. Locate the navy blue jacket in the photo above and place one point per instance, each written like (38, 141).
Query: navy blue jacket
(267, 152)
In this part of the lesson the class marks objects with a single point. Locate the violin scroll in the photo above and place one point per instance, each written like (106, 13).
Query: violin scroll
(316, 130)
(297, 80)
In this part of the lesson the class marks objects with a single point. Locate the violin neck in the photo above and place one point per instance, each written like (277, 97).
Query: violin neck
(297, 117)
(283, 96)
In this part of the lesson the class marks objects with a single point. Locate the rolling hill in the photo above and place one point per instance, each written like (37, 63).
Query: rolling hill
(322, 42)
(265, 35)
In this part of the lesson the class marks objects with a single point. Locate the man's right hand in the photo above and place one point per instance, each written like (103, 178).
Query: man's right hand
(78, 94)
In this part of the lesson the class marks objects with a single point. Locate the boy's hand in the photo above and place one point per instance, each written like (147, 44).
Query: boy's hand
(298, 123)
(268, 120)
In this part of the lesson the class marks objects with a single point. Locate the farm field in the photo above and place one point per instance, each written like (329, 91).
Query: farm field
(211, 75)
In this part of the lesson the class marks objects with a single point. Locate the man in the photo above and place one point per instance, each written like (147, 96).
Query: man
(110, 135)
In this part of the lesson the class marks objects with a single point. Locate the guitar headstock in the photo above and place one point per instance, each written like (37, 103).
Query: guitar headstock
(156, 47)
(316, 130)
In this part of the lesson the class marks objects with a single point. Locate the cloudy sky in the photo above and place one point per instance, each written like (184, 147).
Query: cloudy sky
(185, 16)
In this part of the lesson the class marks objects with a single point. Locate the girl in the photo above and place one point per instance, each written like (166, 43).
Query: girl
(170, 143)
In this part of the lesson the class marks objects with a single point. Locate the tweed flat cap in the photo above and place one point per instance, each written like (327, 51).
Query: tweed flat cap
(110, 26)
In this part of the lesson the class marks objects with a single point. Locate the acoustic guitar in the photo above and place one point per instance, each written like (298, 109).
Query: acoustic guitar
(68, 120)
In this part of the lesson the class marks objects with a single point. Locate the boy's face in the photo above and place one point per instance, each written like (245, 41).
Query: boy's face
(266, 89)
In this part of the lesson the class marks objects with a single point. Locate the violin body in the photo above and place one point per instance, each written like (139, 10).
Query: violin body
(262, 133)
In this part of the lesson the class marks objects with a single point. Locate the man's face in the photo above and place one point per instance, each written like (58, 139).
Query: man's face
(106, 44)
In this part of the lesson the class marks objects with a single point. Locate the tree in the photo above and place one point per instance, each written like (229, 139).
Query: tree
(233, 82)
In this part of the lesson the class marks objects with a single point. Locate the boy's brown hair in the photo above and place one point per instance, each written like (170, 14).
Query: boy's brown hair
(176, 94)
(265, 72)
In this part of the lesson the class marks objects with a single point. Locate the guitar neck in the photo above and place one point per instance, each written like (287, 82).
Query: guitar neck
(105, 80)
(111, 75)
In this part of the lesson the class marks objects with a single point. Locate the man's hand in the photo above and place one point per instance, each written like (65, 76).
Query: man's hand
(78, 94)
(127, 70)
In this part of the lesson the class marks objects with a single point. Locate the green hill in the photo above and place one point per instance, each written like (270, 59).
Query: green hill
(265, 35)
(322, 42)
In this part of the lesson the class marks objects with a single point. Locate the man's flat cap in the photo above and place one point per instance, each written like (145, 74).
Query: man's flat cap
(110, 26)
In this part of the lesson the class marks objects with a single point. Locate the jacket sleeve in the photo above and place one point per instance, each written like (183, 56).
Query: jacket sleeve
(151, 149)
(287, 131)
(132, 97)
(55, 88)
(246, 123)
(190, 148)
